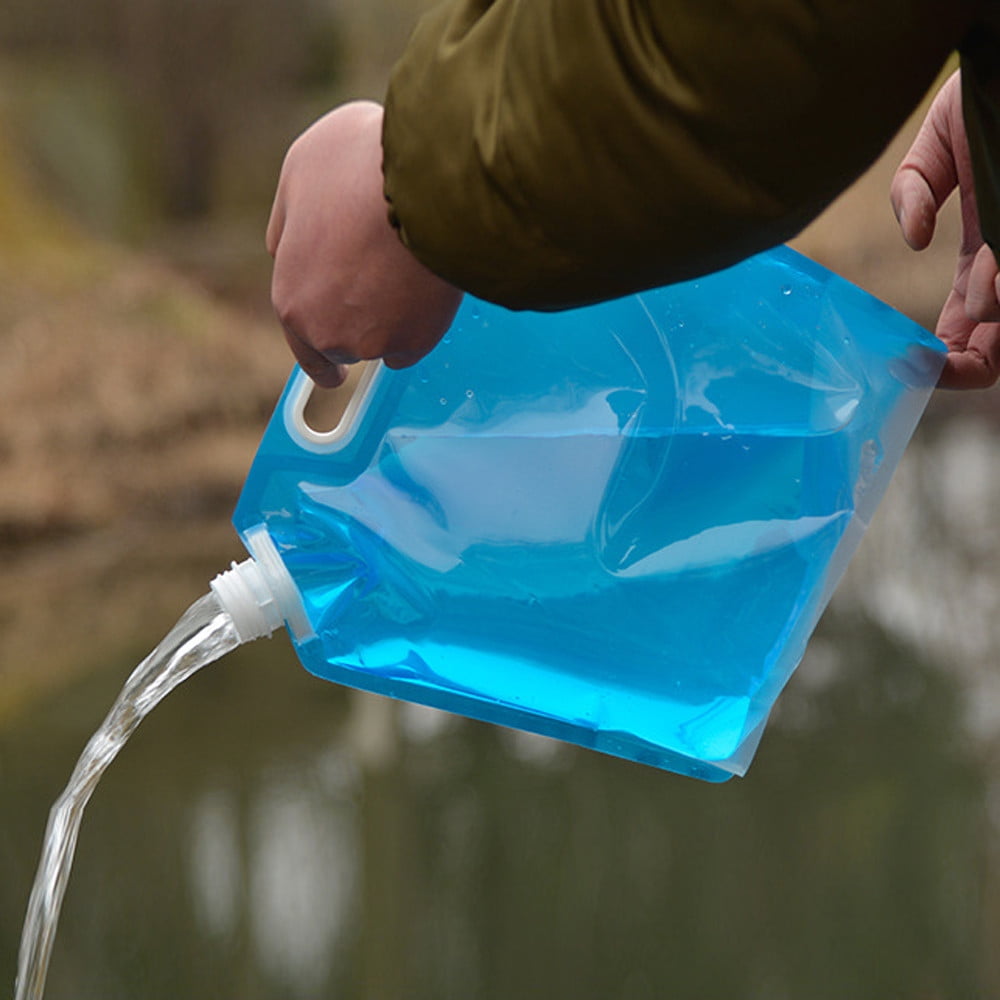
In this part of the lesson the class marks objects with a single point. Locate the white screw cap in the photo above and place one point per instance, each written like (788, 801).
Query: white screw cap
(259, 594)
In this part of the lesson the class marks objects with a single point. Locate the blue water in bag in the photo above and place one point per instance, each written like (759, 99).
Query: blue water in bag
(616, 525)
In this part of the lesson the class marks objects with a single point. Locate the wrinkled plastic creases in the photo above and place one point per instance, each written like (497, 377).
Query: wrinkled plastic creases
(616, 526)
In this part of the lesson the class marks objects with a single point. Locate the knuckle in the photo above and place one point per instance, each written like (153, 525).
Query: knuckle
(287, 312)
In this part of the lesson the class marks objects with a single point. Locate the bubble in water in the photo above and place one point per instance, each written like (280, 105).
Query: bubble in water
(469, 394)
(786, 290)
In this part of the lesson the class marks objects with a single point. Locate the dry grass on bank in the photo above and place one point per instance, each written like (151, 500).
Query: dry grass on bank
(122, 385)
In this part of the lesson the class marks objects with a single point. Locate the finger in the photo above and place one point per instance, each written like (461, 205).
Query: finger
(404, 359)
(325, 372)
(954, 327)
(397, 361)
(973, 360)
(915, 207)
(927, 175)
(981, 299)
(969, 369)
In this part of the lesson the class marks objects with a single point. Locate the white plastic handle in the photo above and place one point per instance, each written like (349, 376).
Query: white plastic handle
(332, 440)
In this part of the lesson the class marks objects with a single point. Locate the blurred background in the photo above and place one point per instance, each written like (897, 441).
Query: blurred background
(267, 835)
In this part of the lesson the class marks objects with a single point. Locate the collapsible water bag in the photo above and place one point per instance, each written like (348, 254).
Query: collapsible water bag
(617, 525)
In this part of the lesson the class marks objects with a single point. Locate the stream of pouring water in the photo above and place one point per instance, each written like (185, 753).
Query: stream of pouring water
(202, 635)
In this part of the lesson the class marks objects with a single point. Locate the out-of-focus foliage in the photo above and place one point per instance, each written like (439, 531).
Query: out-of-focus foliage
(163, 123)
(28, 227)
(139, 109)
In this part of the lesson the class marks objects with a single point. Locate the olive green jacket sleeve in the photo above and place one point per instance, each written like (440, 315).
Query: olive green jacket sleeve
(549, 153)
(980, 51)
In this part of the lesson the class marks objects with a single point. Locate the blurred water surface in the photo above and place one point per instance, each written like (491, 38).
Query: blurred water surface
(268, 835)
